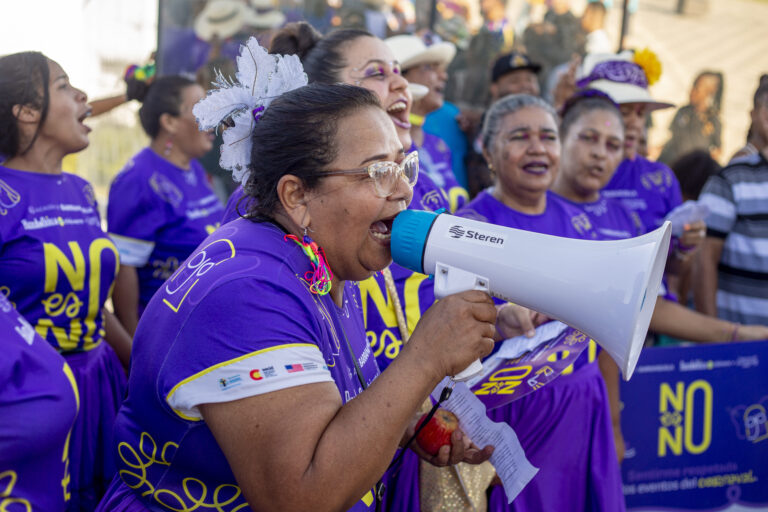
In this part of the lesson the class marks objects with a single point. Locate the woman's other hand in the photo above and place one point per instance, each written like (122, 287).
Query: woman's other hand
(693, 234)
(618, 440)
(514, 320)
(455, 331)
(751, 333)
(461, 449)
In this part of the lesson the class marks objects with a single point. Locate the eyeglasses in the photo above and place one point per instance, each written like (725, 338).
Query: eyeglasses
(386, 174)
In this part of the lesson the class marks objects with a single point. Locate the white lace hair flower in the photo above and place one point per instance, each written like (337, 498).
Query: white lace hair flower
(260, 78)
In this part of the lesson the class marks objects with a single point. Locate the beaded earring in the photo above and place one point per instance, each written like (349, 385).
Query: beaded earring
(167, 149)
(319, 278)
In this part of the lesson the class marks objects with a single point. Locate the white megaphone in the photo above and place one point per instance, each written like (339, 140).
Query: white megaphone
(606, 289)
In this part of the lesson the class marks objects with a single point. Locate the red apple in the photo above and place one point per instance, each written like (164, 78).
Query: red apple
(437, 432)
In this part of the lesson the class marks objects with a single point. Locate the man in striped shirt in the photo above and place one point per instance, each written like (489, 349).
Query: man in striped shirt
(732, 279)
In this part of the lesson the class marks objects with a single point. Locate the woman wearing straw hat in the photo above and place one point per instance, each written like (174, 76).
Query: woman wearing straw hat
(185, 50)
(592, 134)
(426, 65)
(648, 188)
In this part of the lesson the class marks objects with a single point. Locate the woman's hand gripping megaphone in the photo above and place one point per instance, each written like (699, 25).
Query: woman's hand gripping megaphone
(455, 331)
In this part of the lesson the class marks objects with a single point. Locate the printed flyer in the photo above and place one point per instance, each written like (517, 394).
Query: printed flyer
(524, 365)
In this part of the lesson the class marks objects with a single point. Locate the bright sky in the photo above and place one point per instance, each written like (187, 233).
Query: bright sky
(82, 35)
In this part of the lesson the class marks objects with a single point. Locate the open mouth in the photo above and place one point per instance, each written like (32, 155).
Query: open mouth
(381, 230)
(536, 168)
(398, 112)
(596, 170)
(83, 117)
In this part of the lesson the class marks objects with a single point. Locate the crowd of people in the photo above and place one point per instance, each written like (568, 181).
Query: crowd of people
(266, 353)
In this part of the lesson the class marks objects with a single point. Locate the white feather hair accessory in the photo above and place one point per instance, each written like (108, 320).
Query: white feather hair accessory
(260, 78)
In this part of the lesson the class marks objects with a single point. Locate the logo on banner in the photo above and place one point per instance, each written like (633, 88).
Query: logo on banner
(685, 417)
(751, 421)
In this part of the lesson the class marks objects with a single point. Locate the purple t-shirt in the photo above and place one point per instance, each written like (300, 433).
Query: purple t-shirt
(56, 264)
(611, 219)
(157, 214)
(38, 405)
(435, 161)
(236, 320)
(614, 221)
(560, 218)
(648, 188)
(236, 208)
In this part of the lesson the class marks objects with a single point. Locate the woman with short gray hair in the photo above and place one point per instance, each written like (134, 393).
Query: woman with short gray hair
(564, 427)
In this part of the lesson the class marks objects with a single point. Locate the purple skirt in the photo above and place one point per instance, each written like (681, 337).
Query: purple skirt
(565, 429)
(101, 382)
(402, 481)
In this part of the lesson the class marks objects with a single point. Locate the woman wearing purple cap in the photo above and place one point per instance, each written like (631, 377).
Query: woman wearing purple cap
(564, 427)
(161, 205)
(57, 266)
(648, 188)
(592, 134)
(253, 386)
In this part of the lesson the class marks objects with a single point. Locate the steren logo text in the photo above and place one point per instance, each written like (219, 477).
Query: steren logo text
(467, 234)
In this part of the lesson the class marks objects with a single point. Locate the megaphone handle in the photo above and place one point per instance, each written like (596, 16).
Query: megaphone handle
(450, 280)
(476, 368)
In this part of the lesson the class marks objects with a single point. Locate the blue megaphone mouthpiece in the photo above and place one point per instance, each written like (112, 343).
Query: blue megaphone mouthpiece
(410, 231)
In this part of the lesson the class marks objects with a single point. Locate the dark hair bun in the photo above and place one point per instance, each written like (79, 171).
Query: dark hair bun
(295, 39)
(136, 89)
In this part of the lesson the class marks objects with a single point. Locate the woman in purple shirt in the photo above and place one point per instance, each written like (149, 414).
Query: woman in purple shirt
(564, 427)
(650, 189)
(258, 388)
(35, 383)
(161, 205)
(57, 266)
(592, 132)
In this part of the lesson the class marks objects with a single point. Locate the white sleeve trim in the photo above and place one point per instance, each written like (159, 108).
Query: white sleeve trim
(257, 373)
(133, 252)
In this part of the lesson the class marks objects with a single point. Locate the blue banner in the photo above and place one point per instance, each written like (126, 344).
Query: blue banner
(695, 424)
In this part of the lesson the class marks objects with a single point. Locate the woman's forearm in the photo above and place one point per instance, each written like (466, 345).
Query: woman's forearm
(125, 298)
(672, 319)
(376, 420)
(289, 447)
(299, 449)
(118, 338)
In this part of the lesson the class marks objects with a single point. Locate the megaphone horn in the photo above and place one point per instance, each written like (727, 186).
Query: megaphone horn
(605, 289)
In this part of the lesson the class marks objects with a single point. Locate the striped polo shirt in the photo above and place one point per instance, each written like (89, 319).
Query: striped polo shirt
(737, 198)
